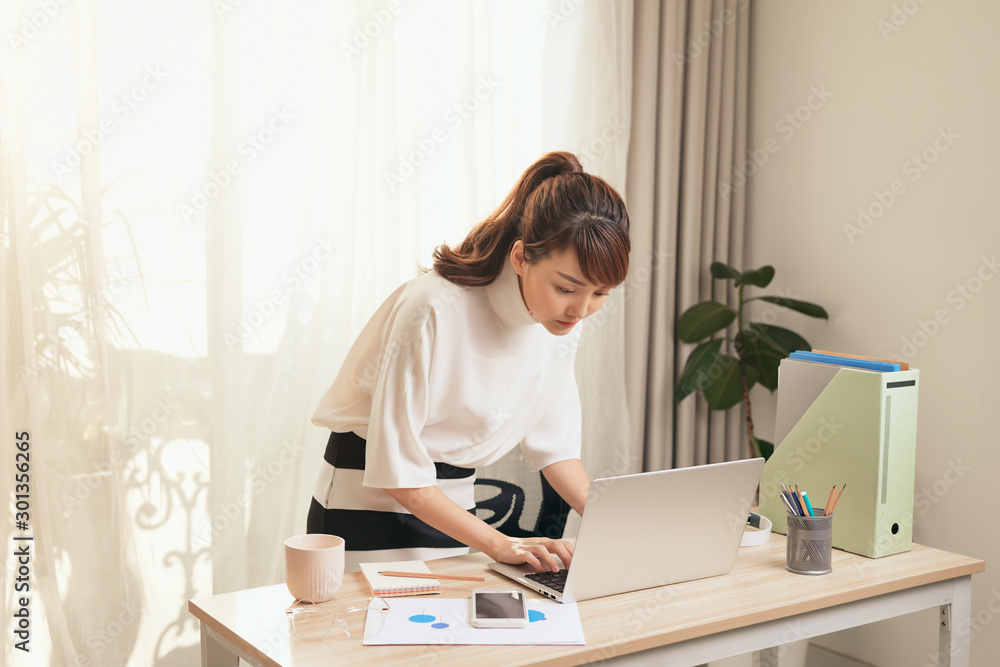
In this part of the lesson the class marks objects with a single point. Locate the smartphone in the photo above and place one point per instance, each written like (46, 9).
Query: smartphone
(499, 608)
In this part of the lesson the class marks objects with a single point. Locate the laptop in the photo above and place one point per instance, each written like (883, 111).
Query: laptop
(652, 529)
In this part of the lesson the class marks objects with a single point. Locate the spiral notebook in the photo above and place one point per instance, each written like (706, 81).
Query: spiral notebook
(389, 587)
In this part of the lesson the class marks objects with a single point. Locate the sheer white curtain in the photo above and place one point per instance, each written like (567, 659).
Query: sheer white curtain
(203, 203)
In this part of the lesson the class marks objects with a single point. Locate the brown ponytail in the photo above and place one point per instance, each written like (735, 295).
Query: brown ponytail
(553, 206)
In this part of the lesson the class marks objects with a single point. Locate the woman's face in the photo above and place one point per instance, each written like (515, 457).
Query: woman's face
(555, 291)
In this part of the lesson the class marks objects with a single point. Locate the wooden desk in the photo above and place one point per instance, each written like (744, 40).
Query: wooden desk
(756, 607)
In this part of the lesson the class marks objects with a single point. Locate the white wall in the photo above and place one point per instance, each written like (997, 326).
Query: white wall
(882, 95)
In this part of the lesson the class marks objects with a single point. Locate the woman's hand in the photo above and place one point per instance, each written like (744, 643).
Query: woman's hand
(539, 552)
(431, 505)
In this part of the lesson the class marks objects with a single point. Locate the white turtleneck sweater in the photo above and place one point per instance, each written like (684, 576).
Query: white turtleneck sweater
(457, 375)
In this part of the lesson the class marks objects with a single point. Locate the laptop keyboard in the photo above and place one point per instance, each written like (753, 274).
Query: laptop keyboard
(554, 580)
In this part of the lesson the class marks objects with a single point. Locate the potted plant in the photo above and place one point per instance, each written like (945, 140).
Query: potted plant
(725, 368)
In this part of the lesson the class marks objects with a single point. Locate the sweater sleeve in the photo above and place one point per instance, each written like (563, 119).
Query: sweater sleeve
(395, 457)
(557, 435)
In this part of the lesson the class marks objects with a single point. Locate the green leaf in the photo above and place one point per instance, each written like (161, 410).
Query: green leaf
(757, 277)
(762, 448)
(704, 319)
(804, 307)
(784, 339)
(722, 271)
(698, 364)
(723, 384)
(764, 359)
(764, 346)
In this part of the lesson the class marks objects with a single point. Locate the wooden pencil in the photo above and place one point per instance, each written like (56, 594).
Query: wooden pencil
(837, 499)
(425, 575)
(829, 501)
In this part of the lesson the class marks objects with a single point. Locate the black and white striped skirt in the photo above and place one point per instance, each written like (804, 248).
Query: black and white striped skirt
(374, 526)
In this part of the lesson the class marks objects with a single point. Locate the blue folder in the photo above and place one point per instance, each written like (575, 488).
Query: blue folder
(849, 362)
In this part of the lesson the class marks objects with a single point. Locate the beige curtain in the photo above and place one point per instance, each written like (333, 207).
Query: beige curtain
(686, 170)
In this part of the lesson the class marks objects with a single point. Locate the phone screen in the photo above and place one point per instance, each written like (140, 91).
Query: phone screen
(499, 605)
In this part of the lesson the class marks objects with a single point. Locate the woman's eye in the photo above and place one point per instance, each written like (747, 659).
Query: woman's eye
(565, 291)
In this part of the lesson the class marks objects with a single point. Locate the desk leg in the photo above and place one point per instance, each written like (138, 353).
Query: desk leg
(213, 653)
(953, 646)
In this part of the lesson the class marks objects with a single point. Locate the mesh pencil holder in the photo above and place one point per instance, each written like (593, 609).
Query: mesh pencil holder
(809, 544)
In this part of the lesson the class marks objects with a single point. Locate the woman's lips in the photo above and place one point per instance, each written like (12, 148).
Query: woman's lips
(566, 324)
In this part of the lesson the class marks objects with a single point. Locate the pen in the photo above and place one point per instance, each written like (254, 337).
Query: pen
(802, 501)
(788, 503)
(799, 511)
(786, 495)
(424, 575)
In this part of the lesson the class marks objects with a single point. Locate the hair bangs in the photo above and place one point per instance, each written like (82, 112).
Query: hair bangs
(602, 250)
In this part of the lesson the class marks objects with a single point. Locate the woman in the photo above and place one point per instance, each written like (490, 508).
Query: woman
(464, 362)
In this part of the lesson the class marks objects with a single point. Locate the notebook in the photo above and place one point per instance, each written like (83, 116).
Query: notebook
(390, 587)
(653, 529)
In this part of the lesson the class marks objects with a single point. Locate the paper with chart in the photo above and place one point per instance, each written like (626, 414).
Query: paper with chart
(446, 621)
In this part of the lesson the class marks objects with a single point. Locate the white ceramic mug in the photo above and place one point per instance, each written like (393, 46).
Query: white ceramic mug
(314, 566)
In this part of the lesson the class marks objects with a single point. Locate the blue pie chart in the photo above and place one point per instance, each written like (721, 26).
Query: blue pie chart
(427, 618)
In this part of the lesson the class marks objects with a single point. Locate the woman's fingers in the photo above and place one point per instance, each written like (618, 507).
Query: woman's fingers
(547, 550)
(547, 556)
(540, 552)
(564, 550)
